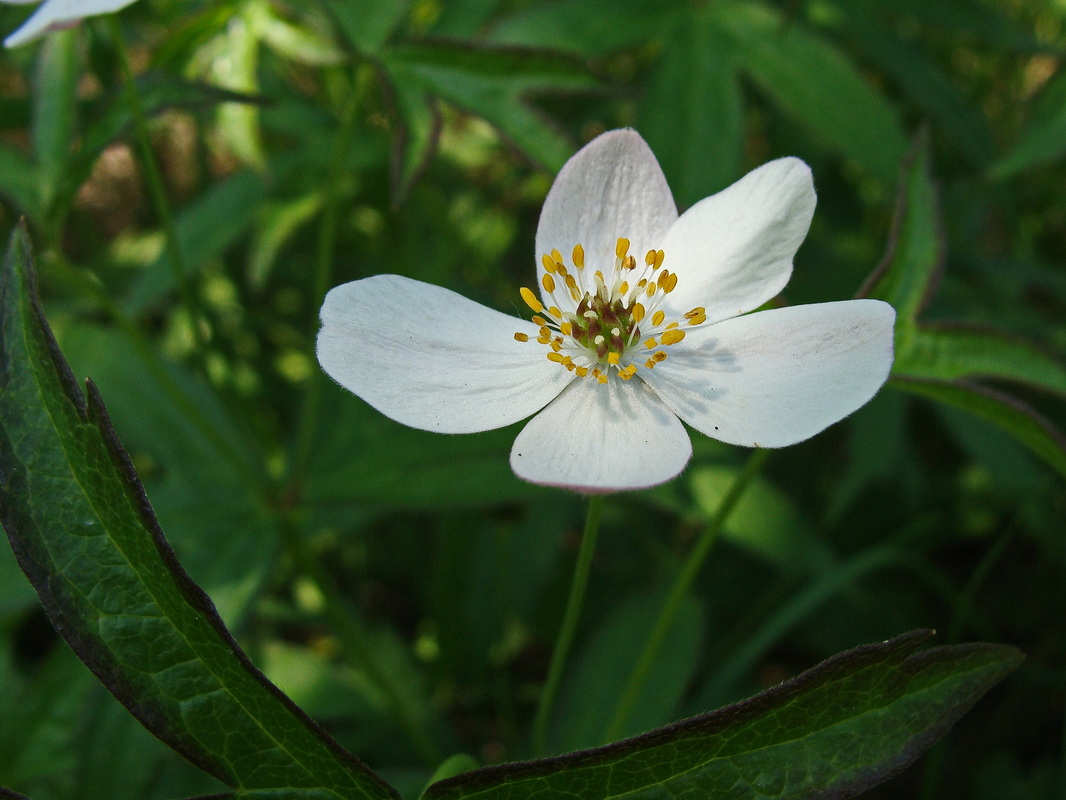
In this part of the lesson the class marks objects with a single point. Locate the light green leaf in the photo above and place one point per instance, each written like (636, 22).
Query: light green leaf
(85, 534)
(1018, 419)
(833, 731)
(21, 181)
(277, 223)
(815, 84)
(951, 352)
(55, 107)
(692, 111)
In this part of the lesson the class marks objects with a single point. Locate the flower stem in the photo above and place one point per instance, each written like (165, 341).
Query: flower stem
(682, 585)
(156, 188)
(569, 626)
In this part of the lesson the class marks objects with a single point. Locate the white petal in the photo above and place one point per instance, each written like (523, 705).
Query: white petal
(55, 14)
(778, 377)
(602, 438)
(611, 188)
(431, 359)
(733, 251)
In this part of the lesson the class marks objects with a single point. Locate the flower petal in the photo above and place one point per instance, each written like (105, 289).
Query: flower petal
(431, 359)
(778, 377)
(733, 251)
(602, 438)
(56, 14)
(612, 187)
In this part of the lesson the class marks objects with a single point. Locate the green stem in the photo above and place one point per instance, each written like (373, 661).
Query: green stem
(357, 643)
(569, 626)
(682, 585)
(156, 189)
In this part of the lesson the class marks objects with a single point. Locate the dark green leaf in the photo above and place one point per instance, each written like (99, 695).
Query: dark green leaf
(415, 140)
(494, 83)
(588, 27)
(7, 794)
(368, 24)
(55, 107)
(21, 181)
(1044, 139)
(1018, 419)
(952, 352)
(692, 112)
(85, 534)
(907, 275)
(815, 84)
(833, 731)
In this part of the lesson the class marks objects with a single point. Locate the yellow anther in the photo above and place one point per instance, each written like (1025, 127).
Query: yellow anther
(545, 331)
(637, 311)
(549, 265)
(548, 282)
(650, 343)
(667, 281)
(556, 345)
(659, 256)
(651, 289)
(521, 337)
(540, 321)
(557, 257)
(658, 355)
(575, 294)
(673, 337)
(581, 371)
(566, 329)
(658, 317)
(569, 366)
(554, 312)
(672, 325)
(697, 311)
(649, 364)
(624, 288)
(531, 299)
(543, 339)
(571, 282)
(612, 358)
(601, 378)
(621, 247)
(556, 357)
(579, 256)
(649, 257)
(697, 320)
(629, 262)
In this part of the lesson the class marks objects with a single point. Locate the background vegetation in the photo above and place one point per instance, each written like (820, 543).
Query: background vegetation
(404, 588)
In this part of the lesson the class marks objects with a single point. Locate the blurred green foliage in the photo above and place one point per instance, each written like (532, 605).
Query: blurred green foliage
(307, 144)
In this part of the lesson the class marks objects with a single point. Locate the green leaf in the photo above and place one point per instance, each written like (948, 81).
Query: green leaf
(494, 83)
(815, 84)
(55, 107)
(7, 794)
(833, 731)
(907, 275)
(416, 137)
(1009, 413)
(950, 352)
(20, 180)
(692, 111)
(368, 24)
(205, 230)
(1044, 139)
(585, 27)
(85, 534)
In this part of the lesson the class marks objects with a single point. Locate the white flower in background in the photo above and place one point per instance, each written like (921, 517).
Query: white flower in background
(55, 15)
(636, 322)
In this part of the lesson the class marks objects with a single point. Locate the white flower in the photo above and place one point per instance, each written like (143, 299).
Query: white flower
(637, 322)
(57, 14)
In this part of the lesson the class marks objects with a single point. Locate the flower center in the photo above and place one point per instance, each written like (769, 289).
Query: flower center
(617, 327)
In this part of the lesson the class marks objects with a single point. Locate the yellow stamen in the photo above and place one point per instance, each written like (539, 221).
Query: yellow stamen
(581, 371)
(612, 358)
(557, 257)
(554, 312)
(672, 325)
(650, 343)
(549, 265)
(697, 311)
(566, 329)
(673, 337)
(540, 321)
(521, 337)
(658, 317)
(556, 357)
(621, 247)
(637, 311)
(579, 256)
(531, 300)
(659, 256)
(649, 258)
(629, 262)
(658, 356)
(548, 282)
(697, 320)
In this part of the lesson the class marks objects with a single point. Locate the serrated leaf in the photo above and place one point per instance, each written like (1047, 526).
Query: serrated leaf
(952, 352)
(1009, 413)
(84, 533)
(907, 275)
(833, 731)
(494, 83)
(815, 84)
(692, 111)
